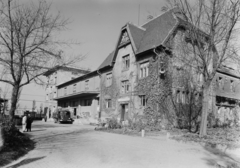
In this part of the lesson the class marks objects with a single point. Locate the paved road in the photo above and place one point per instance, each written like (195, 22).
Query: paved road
(73, 146)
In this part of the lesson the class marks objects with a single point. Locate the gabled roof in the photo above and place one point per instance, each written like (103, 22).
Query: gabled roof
(157, 30)
(107, 61)
(150, 35)
(136, 33)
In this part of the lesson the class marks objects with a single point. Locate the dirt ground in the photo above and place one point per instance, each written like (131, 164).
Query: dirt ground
(72, 146)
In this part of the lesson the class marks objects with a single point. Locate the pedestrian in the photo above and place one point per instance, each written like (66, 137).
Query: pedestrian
(24, 122)
(45, 118)
(29, 122)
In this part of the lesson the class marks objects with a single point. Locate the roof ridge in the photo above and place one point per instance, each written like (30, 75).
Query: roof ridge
(142, 28)
(156, 17)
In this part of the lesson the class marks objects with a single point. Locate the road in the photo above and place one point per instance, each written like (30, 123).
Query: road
(79, 146)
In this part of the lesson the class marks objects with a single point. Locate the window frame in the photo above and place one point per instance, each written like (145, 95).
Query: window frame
(86, 84)
(74, 88)
(109, 79)
(126, 62)
(143, 100)
(143, 67)
(232, 85)
(108, 103)
(125, 86)
(65, 91)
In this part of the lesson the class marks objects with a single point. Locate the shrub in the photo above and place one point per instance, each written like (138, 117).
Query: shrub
(15, 144)
(11, 135)
(113, 123)
(137, 124)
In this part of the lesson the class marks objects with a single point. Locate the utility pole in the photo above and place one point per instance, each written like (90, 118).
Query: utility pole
(138, 13)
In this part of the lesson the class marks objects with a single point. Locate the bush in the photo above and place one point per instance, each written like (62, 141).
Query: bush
(11, 135)
(15, 143)
(138, 123)
(113, 124)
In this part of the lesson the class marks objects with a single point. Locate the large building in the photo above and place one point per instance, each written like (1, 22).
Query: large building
(80, 95)
(141, 74)
(55, 77)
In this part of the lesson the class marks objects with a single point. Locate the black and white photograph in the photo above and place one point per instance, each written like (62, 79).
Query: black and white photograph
(120, 83)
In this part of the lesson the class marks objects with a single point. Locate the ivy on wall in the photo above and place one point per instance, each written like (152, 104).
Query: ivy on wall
(158, 89)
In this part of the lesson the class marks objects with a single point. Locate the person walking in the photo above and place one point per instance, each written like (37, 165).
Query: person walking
(29, 122)
(24, 122)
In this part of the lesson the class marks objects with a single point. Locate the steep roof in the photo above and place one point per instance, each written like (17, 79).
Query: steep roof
(150, 35)
(157, 30)
(136, 33)
(107, 61)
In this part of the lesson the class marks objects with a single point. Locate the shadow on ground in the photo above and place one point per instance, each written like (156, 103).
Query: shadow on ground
(26, 161)
(223, 160)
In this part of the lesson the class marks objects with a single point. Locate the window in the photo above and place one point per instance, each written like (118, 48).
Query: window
(109, 79)
(143, 100)
(87, 85)
(125, 86)
(178, 96)
(126, 62)
(143, 70)
(232, 86)
(87, 102)
(55, 80)
(74, 88)
(221, 83)
(55, 95)
(188, 96)
(183, 97)
(108, 103)
(200, 78)
(65, 91)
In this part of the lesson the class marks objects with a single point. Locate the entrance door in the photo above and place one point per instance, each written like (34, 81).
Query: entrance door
(75, 111)
(124, 109)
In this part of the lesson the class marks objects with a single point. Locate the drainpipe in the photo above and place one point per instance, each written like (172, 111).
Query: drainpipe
(154, 50)
(100, 99)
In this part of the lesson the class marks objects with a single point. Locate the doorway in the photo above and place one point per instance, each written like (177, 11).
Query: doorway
(124, 112)
(75, 111)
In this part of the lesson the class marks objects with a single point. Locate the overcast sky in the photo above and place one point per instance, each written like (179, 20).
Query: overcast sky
(97, 23)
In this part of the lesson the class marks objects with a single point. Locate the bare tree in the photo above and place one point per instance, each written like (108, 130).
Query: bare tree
(27, 44)
(210, 28)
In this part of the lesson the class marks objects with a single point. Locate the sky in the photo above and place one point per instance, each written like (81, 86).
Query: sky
(96, 25)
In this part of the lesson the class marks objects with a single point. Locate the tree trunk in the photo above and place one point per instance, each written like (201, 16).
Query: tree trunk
(14, 100)
(205, 107)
